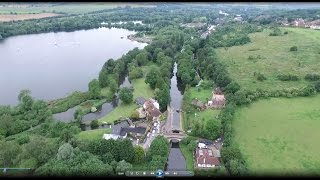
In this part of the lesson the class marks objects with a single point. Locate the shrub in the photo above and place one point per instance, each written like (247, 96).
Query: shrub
(261, 77)
(288, 77)
(312, 77)
(317, 86)
(294, 48)
(94, 124)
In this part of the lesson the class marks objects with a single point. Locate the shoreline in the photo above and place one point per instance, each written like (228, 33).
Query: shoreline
(138, 39)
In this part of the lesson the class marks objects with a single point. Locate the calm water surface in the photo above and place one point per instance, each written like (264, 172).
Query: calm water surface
(53, 65)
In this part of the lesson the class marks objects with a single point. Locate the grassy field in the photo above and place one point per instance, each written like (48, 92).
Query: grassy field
(188, 156)
(93, 134)
(270, 56)
(203, 116)
(141, 89)
(280, 135)
(69, 8)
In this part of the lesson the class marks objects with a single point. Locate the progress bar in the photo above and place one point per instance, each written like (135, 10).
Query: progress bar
(157, 174)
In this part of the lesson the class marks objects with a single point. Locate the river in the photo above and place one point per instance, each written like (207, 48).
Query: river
(53, 65)
(176, 160)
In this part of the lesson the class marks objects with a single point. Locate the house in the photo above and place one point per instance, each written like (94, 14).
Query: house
(218, 99)
(151, 107)
(140, 101)
(198, 104)
(205, 158)
(142, 113)
(111, 136)
(135, 131)
(122, 130)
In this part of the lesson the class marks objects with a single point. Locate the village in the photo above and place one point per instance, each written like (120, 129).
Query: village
(150, 121)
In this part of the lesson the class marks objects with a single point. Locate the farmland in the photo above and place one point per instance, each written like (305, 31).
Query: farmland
(271, 56)
(66, 8)
(279, 135)
(16, 17)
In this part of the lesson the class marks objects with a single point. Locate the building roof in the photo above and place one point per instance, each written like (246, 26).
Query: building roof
(116, 129)
(152, 107)
(206, 156)
(197, 102)
(140, 101)
(154, 112)
(110, 136)
(140, 130)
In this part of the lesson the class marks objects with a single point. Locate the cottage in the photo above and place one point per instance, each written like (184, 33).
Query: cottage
(198, 104)
(218, 99)
(206, 159)
(151, 107)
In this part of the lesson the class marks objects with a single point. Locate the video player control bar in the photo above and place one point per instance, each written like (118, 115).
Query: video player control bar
(159, 173)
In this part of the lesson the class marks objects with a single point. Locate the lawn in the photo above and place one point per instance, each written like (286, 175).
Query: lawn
(280, 135)
(187, 155)
(141, 89)
(270, 56)
(93, 134)
(203, 116)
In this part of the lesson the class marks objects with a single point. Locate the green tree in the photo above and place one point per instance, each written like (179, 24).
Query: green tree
(6, 122)
(139, 156)
(135, 73)
(126, 95)
(94, 89)
(8, 152)
(24, 92)
(159, 146)
(157, 162)
(113, 85)
(65, 152)
(163, 96)
(125, 150)
(152, 77)
(94, 124)
(232, 87)
(142, 58)
(213, 128)
(47, 151)
(317, 86)
(123, 166)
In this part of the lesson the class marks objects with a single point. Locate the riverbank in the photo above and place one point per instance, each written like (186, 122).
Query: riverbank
(144, 39)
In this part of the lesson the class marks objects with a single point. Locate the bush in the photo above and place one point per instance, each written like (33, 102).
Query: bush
(312, 77)
(23, 139)
(94, 124)
(288, 77)
(286, 32)
(261, 77)
(294, 48)
(317, 86)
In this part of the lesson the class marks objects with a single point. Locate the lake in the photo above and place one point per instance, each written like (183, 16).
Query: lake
(53, 65)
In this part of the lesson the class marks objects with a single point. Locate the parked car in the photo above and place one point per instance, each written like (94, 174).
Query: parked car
(202, 146)
(206, 142)
(155, 124)
(218, 140)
